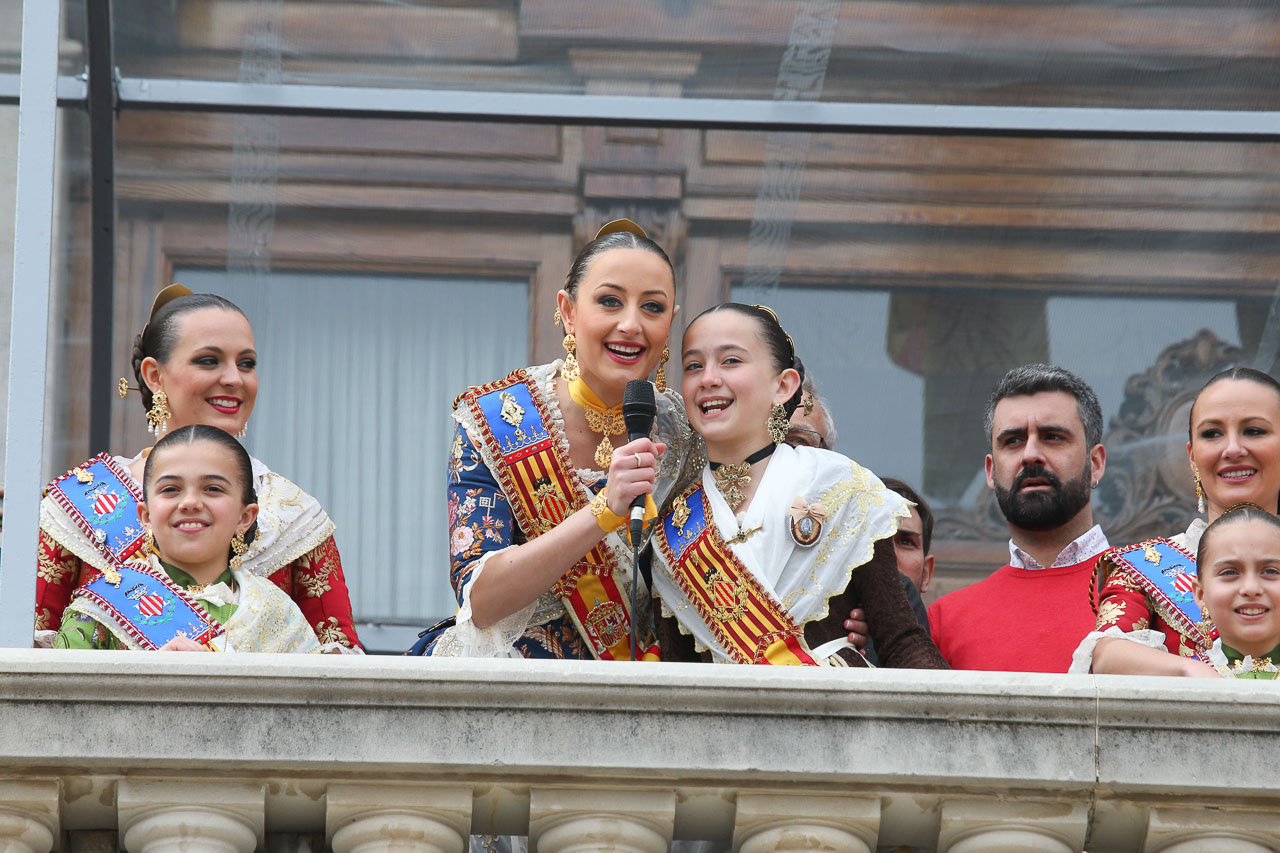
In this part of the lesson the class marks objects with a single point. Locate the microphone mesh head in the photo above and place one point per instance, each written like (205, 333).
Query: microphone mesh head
(639, 407)
(639, 393)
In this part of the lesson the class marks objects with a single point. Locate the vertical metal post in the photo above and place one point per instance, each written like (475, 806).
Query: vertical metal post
(102, 158)
(29, 321)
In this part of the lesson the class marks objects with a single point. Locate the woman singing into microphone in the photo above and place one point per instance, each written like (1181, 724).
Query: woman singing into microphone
(541, 474)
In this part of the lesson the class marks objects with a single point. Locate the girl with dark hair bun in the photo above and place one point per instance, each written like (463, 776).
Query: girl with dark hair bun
(541, 474)
(195, 362)
(763, 558)
(1149, 621)
(185, 589)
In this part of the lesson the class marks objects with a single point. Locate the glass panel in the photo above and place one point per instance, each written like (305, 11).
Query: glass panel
(355, 372)
(70, 329)
(10, 36)
(72, 56)
(1164, 53)
(912, 270)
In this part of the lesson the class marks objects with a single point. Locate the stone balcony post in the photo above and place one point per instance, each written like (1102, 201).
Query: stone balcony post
(373, 818)
(29, 816)
(1185, 830)
(564, 820)
(190, 817)
(767, 822)
(1011, 826)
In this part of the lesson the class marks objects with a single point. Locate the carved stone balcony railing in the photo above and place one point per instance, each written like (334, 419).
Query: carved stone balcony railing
(201, 752)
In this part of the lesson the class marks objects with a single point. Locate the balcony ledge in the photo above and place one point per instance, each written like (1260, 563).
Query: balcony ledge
(1120, 751)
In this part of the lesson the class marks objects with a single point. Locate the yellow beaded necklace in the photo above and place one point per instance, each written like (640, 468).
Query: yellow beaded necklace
(600, 418)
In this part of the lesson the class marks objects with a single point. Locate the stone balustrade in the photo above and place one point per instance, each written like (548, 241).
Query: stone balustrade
(183, 753)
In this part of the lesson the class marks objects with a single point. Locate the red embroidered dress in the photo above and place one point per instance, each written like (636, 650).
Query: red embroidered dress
(1124, 604)
(294, 549)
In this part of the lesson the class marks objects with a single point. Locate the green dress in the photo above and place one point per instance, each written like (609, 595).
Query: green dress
(81, 631)
(1244, 666)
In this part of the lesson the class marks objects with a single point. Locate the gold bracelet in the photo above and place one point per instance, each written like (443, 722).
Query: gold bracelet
(608, 520)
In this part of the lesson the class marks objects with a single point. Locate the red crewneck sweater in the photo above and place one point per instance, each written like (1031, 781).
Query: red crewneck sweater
(1016, 620)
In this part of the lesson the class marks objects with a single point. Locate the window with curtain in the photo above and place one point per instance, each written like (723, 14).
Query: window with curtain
(357, 373)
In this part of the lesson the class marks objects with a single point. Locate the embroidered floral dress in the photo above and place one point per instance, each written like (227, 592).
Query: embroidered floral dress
(257, 616)
(293, 548)
(1126, 610)
(481, 524)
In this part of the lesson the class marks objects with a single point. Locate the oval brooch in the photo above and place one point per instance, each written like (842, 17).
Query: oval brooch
(806, 522)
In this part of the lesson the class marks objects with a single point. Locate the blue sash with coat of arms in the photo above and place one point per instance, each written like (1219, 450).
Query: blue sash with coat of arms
(147, 607)
(102, 502)
(1166, 574)
(536, 478)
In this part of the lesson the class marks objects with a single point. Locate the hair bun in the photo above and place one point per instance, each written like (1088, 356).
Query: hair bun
(136, 358)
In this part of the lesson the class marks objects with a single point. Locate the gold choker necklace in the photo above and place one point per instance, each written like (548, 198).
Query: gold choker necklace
(732, 480)
(600, 418)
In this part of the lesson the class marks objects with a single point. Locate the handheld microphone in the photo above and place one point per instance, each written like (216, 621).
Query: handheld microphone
(639, 408)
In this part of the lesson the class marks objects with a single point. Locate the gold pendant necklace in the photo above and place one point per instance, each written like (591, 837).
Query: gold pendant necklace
(732, 480)
(608, 423)
(600, 418)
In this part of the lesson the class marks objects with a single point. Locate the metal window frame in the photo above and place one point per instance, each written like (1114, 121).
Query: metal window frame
(100, 102)
(29, 318)
(72, 91)
(621, 110)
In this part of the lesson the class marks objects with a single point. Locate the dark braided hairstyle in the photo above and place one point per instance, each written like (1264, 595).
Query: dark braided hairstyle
(159, 337)
(1243, 374)
(602, 244)
(202, 432)
(782, 350)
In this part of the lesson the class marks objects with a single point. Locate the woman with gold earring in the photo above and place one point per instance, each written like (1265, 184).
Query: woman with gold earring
(195, 362)
(541, 473)
(763, 558)
(1148, 620)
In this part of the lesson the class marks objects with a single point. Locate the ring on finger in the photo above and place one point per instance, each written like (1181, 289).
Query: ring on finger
(639, 461)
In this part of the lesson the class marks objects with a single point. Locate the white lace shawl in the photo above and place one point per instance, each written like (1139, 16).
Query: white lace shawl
(860, 510)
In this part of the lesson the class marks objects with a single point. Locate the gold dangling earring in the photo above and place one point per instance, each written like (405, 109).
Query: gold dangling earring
(1206, 625)
(570, 371)
(238, 548)
(158, 415)
(660, 378)
(778, 423)
(1199, 488)
(149, 543)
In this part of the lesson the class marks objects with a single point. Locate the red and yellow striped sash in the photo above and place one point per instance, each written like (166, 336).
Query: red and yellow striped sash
(532, 471)
(752, 626)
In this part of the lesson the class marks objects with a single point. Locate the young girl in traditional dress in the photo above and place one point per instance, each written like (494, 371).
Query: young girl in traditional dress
(185, 590)
(1238, 590)
(763, 558)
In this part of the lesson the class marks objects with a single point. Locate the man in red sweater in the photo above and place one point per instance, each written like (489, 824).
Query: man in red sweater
(1045, 427)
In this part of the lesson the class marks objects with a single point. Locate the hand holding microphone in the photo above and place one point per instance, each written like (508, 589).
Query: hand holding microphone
(635, 465)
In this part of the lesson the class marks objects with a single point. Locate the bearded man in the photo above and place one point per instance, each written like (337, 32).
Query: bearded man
(1045, 428)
